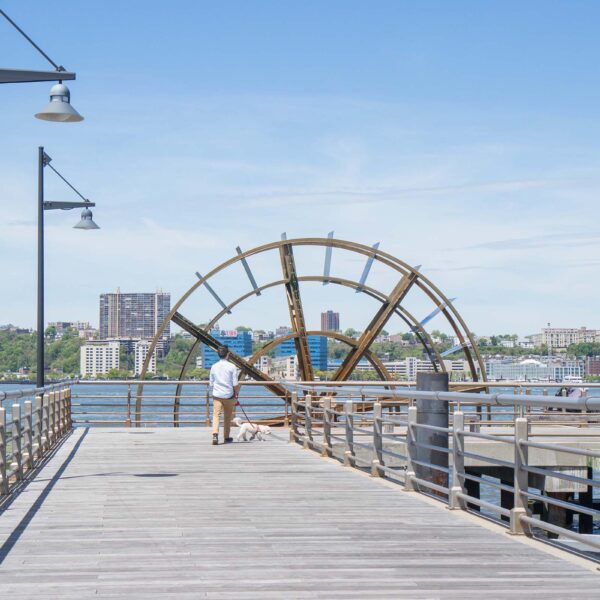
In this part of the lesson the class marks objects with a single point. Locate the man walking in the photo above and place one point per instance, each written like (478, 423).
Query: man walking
(225, 387)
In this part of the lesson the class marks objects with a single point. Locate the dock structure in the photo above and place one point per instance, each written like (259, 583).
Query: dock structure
(160, 513)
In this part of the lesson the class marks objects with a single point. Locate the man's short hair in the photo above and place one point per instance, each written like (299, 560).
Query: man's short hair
(223, 351)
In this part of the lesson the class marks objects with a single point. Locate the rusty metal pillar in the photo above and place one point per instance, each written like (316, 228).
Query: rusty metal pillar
(432, 413)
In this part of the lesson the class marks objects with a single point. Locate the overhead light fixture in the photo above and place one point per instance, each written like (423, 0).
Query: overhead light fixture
(87, 222)
(59, 108)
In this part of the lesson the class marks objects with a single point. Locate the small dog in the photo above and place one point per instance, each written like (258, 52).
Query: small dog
(251, 429)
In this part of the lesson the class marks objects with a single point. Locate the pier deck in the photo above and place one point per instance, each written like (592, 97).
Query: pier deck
(160, 513)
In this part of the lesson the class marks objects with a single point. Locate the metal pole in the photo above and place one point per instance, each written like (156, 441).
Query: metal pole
(40, 271)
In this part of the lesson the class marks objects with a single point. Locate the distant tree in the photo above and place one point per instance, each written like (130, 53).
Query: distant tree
(584, 349)
(243, 328)
(351, 332)
(50, 332)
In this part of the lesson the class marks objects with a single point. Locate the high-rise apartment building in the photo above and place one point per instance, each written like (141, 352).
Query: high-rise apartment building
(330, 321)
(141, 349)
(98, 358)
(136, 315)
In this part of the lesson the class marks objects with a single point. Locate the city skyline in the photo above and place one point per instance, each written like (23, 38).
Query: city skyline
(448, 143)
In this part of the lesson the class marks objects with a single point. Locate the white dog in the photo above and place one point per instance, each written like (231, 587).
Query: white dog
(251, 429)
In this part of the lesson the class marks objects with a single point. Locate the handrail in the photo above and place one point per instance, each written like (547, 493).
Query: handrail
(35, 427)
(397, 454)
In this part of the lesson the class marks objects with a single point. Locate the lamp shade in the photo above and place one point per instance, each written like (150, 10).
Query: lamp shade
(86, 220)
(59, 108)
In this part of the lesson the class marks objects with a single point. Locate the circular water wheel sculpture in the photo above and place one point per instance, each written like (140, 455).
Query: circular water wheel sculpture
(407, 279)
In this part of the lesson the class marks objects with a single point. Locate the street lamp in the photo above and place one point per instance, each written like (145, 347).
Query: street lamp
(59, 109)
(86, 222)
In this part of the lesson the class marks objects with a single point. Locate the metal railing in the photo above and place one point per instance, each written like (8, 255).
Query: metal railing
(113, 403)
(30, 429)
(517, 461)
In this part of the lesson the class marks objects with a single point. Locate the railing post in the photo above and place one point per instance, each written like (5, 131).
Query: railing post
(377, 441)
(69, 409)
(458, 462)
(51, 419)
(61, 413)
(327, 448)
(37, 436)
(128, 421)
(3, 477)
(349, 439)
(286, 414)
(294, 420)
(45, 424)
(28, 435)
(17, 463)
(307, 422)
(207, 406)
(409, 485)
(521, 478)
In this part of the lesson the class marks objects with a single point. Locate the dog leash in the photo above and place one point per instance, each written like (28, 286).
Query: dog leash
(237, 403)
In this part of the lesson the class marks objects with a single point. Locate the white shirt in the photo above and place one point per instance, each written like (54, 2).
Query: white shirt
(223, 378)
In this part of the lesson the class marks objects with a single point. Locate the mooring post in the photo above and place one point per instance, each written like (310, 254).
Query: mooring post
(433, 413)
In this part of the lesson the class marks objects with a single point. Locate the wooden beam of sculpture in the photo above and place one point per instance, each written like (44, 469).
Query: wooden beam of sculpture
(237, 360)
(374, 328)
(292, 293)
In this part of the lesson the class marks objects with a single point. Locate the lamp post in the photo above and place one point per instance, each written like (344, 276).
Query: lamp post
(59, 108)
(86, 222)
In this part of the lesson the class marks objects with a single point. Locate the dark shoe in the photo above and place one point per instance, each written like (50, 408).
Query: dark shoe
(228, 440)
(215, 439)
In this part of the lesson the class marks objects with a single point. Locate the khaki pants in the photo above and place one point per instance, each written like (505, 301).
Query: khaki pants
(226, 405)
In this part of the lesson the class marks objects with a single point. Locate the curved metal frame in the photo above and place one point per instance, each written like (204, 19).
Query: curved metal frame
(451, 314)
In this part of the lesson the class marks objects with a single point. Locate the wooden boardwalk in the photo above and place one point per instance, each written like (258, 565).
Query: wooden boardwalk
(159, 513)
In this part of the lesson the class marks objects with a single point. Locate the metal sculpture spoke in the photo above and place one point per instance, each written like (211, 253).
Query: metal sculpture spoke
(292, 293)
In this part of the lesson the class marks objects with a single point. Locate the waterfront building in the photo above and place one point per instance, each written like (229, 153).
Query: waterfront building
(284, 367)
(62, 326)
(407, 368)
(282, 330)
(134, 315)
(330, 321)
(592, 365)
(239, 342)
(532, 369)
(563, 337)
(317, 345)
(263, 364)
(98, 358)
(141, 349)
(259, 336)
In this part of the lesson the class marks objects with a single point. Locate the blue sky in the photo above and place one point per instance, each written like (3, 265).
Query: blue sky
(463, 136)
